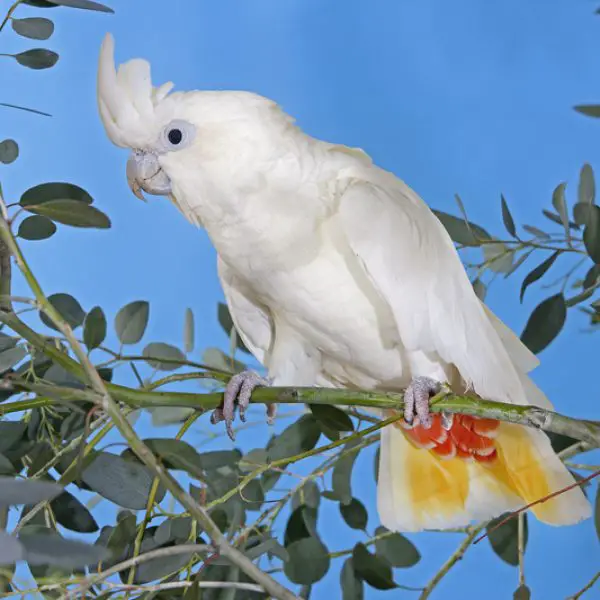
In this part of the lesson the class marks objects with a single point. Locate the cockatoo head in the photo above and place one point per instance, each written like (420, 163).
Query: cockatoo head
(173, 134)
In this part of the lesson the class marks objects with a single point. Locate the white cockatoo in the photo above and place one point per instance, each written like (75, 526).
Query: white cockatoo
(337, 274)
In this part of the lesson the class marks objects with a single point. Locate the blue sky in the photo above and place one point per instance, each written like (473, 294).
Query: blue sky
(464, 97)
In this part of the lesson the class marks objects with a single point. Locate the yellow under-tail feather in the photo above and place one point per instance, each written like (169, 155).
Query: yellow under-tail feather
(418, 489)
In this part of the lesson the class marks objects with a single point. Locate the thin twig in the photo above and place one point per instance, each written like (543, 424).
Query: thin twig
(456, 556)
(586, 588)
(134, 562)
(521, 548)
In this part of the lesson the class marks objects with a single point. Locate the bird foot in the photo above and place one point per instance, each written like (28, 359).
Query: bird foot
(416, 402)
(237, 392)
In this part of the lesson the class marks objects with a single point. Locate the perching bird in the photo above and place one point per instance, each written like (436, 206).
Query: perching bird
(337, 274)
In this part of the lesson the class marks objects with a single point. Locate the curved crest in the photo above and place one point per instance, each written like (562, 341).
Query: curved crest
(126, 98)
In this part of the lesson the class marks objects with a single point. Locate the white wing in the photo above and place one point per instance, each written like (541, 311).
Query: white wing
(412, 262)
(250, 319)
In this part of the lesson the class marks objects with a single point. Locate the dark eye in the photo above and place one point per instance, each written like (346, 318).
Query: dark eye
(175, 136)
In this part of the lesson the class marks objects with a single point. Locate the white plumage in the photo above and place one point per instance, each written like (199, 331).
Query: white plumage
(337, 274)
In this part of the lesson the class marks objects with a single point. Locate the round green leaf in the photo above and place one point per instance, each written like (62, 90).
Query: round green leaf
(396, 549)
(332, 417)
(73, 515)
(94, 328)
(73, 213)
(352, 586)
(161, 356)
(35, 28)
(68, 308)
(308, 563)
(36, 227)
(37, 58)
(504, 539)
(131, 321)
(308, 495)
(355, 514)
(47, 192)
(522, 593)
(9, 151)
(545, 323)
(299, 437)
(375, 571)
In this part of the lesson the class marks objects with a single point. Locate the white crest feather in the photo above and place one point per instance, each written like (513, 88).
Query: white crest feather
(126, 98)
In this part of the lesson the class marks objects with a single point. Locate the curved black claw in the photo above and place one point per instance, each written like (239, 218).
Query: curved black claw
(416, 401)
(237, 392)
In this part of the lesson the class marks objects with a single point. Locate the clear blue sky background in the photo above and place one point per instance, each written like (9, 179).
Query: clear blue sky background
(462, 96)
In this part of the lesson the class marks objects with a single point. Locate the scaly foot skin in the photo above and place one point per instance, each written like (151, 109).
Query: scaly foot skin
(416, 401)
(237, 392)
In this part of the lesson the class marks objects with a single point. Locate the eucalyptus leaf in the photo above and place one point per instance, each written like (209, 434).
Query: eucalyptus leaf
(509, 222)
(398, 550)
(37, 58)
(68, 308)
(559, 203)
(355, 514)
(35, 28)
(9, 358)
(124, 482)
(536, 232)
(504, 539)
(24, 491)
(163, 357)
(226, 322)
(83, 4)
(479, 288)
(498, 257)
(308, 495)
(94, 328)
(371, 569)
(131, 321)
(308, 561)
(461, 231)
(332, 417)
(586, 191)
(555, 218)
(177, 454)
(589, 110)
(11, 550)
(295, 439)
(545, 323)
(36, 227)
(342, 473)
(177, 530)
(591, 234)
(72, 514)
(9, 151)
(522, 593)
(537, 273)
(188, 331)
(352, 586)
(53, 191)
(11, 433)
(597, 512)
(53, 549)
(73, 213)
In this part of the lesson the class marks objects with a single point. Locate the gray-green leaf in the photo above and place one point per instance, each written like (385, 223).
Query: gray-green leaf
(545, 323)
(537, 273)
(163, 357)
(509, 222)
(37, 58)
(504, 539)
(342, 473)
(124, 482)
(68, 308)
(398, 550)
(591, 233)
(188, 331)
(36, 227)
(375, 571)
(52, 549)
(589, 110)
(9, 151)
(355, 514)
(22, 491)
(461, 231)
(49, 192)
(308, 562)
(94, 328)
(352, 586)
(9, 358)
(11, 550)
(73, 213)
(35, 28)
(83, 4)
(131, 321)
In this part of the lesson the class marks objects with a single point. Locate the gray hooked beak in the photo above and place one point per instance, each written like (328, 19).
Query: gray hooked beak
(144, 173)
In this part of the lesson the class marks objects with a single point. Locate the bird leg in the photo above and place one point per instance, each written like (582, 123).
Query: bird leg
(416, 401)
(237, 392)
